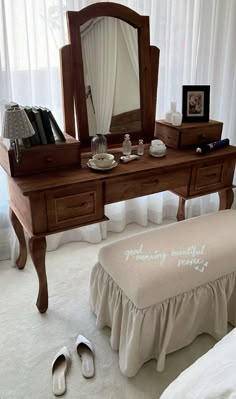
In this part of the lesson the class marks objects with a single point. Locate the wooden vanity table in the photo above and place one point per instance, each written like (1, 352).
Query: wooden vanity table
(65, 198)
(51, 202)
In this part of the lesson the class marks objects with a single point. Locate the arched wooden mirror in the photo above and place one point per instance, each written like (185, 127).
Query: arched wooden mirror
(109, 74)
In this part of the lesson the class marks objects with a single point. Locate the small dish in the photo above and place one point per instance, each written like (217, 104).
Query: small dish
(91, 164)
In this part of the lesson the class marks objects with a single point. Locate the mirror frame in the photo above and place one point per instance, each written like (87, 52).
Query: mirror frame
(72, 74)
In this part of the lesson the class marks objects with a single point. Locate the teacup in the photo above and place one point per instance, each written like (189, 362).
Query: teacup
(103, 160)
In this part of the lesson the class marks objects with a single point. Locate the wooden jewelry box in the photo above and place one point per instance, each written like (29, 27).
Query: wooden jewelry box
(41, 158)
(188, 134)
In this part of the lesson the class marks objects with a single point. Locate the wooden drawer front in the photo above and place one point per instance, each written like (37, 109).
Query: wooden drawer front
(74, 206)
(167, 134)
(144, 184)
(40, 161)
(210, 177)
(188, 134)
(41, 158)
(200, 135)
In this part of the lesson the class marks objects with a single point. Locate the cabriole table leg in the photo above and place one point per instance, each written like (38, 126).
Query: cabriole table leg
(22, 258)
(37, 246)
(181, 209)
(226, 198)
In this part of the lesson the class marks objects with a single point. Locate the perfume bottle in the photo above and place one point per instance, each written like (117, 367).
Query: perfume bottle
(98, 144)
(140, 149)
(126, 147)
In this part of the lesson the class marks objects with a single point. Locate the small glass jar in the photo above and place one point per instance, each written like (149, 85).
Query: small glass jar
(140, 149)
(126, 147)
(98, 144)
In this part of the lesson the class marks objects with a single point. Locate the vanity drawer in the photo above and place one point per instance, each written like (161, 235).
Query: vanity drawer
(200, 135)
(144, 184)
(42, 158)
(74, 206)
(211, 176)
(188, 134)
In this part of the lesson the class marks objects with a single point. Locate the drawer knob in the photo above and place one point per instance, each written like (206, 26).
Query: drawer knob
(48, 159)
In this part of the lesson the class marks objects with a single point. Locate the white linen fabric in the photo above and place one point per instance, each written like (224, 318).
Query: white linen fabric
(99, 47)
(131, 39)
(211, 376)
(197, 46)
(147, 287)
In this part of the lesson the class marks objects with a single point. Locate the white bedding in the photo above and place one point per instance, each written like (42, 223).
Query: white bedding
(213, 375)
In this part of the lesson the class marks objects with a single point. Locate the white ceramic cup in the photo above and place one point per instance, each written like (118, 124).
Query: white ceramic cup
(177, 119)
(103, 160)
(157, 147)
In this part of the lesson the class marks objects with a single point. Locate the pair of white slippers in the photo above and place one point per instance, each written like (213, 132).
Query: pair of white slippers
(62, 362)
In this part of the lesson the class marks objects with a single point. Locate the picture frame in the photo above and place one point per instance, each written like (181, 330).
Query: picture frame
(196, 103)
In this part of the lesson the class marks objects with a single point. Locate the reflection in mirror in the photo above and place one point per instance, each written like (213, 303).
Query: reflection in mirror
(111, 74)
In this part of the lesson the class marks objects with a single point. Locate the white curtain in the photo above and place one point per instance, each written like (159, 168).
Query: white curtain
(99, 47)
(197, 46)
(131, 39)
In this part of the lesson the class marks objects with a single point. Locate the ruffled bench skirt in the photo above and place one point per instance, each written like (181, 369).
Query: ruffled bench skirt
(159, 290)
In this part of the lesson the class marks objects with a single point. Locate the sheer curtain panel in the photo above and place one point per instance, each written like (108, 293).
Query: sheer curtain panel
(99, 48)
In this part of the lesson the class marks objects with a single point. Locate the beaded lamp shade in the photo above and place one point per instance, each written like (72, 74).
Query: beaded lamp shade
(16, 124)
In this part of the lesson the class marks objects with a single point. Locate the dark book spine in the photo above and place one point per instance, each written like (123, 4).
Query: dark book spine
(40, 126)
(56, 129)
(35, 139)
(47, 126)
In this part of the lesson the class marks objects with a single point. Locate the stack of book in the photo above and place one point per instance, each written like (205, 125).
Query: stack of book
(45, 126)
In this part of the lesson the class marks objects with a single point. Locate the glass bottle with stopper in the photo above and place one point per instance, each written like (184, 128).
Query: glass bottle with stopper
(126, 147)
(140, 149)
(99, 144)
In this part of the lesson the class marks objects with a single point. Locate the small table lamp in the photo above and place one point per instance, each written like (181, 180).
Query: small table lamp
(16, 125)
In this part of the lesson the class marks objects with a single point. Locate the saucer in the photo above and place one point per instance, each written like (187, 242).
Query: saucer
(91, 164)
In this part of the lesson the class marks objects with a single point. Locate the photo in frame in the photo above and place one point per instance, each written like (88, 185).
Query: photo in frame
(196, 103)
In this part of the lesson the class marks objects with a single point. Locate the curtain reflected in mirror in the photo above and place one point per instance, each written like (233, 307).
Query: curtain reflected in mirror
(111, 74)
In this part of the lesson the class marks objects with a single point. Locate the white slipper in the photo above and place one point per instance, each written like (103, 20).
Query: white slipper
(60, 366)
(86, 353)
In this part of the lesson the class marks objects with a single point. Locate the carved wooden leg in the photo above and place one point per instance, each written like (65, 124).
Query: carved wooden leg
(226, 198)
(181, 209)
(22, 258)
(37, 246)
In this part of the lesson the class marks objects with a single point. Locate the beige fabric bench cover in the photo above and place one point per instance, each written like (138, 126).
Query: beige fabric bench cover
(159, 289)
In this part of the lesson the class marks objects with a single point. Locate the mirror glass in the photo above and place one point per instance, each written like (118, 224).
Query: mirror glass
(111, 75)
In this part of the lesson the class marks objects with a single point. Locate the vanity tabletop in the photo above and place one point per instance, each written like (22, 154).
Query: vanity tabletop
(172, 159)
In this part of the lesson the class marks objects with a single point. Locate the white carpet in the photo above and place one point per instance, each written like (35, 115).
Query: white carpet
(29, 340)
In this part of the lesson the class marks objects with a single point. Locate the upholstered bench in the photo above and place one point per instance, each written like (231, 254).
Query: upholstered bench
(159, 289)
